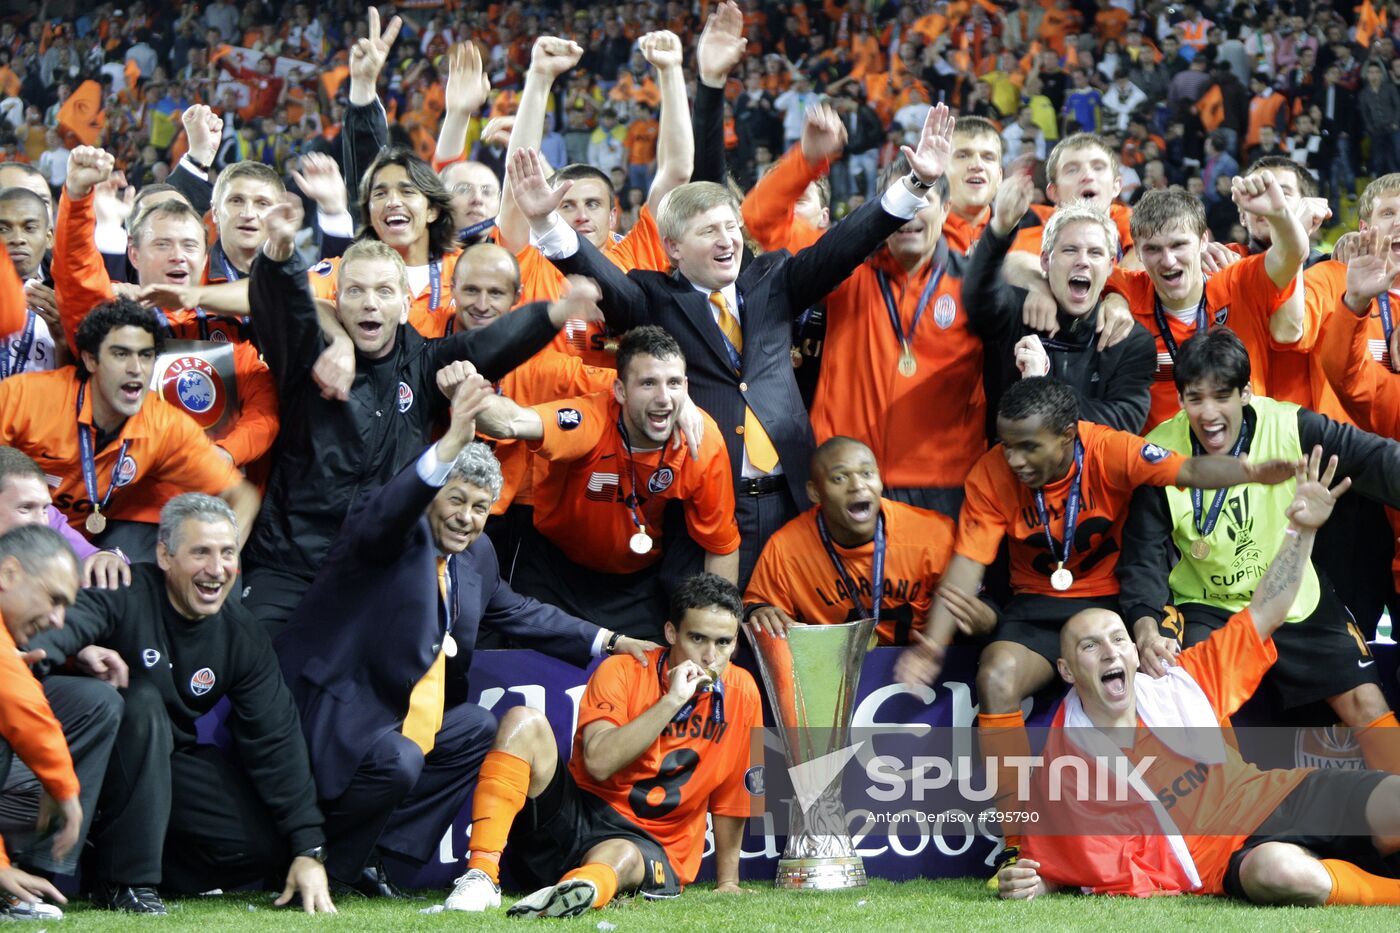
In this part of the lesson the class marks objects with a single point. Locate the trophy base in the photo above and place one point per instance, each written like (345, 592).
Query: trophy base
(821, 874)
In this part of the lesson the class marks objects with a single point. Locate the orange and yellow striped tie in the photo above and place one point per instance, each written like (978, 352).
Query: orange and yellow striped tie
(425, 703)
(757, 444)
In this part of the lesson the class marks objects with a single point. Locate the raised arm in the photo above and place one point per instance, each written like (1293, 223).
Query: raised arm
(467, 88)
(1311, 507)
(815, 271)
(768, 208)
(365, 132)
(1368, 391)
(624, 304)
(719, 51)
(1260, 194)
(80, 276)
(550, 58)
(675, 142)
(993, 305)
(205, 130)
(287, 329)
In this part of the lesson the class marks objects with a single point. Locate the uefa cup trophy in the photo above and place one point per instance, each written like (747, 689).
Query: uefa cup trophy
(812, 676)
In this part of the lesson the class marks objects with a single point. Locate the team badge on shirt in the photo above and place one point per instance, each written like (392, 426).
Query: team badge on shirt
(945, 311)
(661, 480)
(1221, 316)
(323, 267)
(569, 418)
(405, 397)
(126, 471)
(194, 385)
(1153, 454)
(202, 681)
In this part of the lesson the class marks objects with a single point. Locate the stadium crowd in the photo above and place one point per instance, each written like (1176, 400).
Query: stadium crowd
(342, 341)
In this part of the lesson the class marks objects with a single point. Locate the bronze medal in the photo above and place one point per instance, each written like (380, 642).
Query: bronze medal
(908, 366)
(1200, 549)
(96, 523)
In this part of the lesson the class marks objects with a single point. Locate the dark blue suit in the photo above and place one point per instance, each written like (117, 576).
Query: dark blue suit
(365, 634)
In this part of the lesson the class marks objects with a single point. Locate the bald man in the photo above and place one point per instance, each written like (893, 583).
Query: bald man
(1283, 836)
(855, 554)
(486, 285)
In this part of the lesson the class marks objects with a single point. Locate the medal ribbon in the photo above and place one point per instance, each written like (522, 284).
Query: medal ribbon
(1216, 503)
(631, 500)
(230, 273)
(716, 692)
(16, 365)
(435, 284)
(1076, 490)
(467, 234)
(86, 442)
(1388, 326)
(877, 587)
(1164, 328)
(906, 340)
(450, 608)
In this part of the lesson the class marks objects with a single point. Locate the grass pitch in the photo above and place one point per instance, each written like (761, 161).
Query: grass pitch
(922, 906)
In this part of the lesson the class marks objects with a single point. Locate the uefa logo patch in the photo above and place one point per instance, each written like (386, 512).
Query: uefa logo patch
(405, 397)
(193, 385)
(661, 480)
(569, 418)
(753, 781)
(945, 311)
(126, 471)
(202, 681)
(1153, 454)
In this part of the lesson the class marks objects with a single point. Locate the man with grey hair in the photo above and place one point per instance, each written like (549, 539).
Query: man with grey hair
(1078, 250)
(389, 626)
(38, 580)
(172, 811)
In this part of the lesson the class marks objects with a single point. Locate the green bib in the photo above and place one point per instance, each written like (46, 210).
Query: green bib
(1250, 528)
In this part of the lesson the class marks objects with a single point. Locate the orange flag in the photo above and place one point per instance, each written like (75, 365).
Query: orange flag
(332, 78)
(132, 72)
(1211, 108)
(1367, 23)
(81, 117)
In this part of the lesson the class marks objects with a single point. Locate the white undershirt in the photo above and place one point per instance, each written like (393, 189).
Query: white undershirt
(418, 279)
